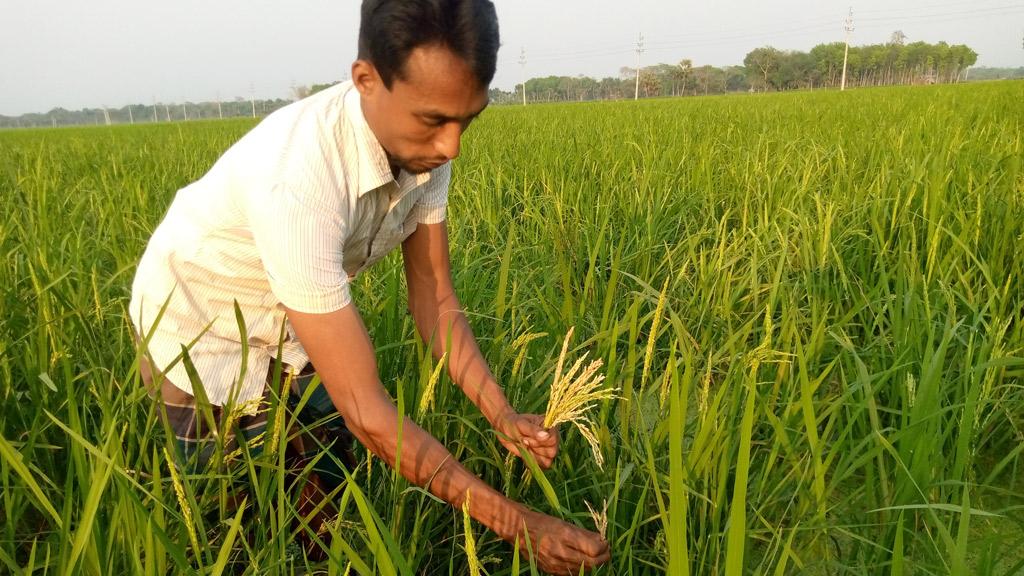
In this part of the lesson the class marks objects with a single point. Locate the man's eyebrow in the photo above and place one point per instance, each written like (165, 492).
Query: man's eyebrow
(432, 115)
(440, 116)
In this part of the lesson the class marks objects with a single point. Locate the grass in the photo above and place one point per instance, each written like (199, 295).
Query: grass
(828, 284)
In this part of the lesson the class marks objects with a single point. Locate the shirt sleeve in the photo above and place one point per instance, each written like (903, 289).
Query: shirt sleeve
(300, 238)
(432, 205)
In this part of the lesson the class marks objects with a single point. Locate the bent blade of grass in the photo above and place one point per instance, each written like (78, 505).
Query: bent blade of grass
(229, 540)
(897, 548)
(506, 260)
(175, 551)
(545, 485)
(87, 522)
(383, 547)
(959, 560)
(17, 570)
(787, 552)
(947, 538)
(14, 460)
(738, 513)
(678, 559)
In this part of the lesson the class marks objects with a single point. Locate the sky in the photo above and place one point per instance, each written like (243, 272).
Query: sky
(93, 53)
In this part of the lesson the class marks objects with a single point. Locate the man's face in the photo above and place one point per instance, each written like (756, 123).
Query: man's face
(420, 119)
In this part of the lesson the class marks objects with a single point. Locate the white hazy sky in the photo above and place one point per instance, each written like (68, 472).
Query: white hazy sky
(91, 53)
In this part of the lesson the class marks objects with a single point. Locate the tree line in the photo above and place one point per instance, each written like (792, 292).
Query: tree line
(875, 65)
(765, 69)
(142, 113)
(161, 112)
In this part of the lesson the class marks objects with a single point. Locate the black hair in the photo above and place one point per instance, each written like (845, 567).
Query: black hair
(389, 30)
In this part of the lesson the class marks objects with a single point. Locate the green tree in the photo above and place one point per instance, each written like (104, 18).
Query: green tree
(828, 59)
(650, 83)
(320, 87)
(763, 61)
(709, 79)
(736, 79)
(685, 71)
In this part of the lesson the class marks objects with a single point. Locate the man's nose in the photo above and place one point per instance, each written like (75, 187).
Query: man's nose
(447, 143)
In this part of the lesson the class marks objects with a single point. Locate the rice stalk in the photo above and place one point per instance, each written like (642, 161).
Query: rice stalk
(280, 414)
(474, 562)
(186, 509)
(575, 393)
(600, 519)
(427, 400)
(666, 383)
(705, 388)
(649, 351)
(521, 343)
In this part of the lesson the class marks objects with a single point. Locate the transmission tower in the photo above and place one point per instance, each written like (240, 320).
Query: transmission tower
(522, 63)
(639, 51)
(846, 55)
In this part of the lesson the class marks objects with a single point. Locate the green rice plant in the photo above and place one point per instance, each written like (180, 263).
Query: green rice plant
(875, 250)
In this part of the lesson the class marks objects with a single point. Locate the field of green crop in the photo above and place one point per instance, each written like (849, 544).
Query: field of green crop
(812, 305)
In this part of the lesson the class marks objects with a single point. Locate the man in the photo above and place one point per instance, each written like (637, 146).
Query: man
(315, 194)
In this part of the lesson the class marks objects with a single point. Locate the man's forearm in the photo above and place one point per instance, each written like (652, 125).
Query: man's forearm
(428, 464)
(440, 319)
(340, 348)
(443, 321)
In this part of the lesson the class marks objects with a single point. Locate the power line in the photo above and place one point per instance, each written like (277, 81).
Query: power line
(974, 4)
(700, 39)
(986, 11)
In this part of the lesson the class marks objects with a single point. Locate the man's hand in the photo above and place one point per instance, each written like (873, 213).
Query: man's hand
(526, 432)
(559, 547)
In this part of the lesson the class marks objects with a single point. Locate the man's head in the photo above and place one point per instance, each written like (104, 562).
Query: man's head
(423, 72)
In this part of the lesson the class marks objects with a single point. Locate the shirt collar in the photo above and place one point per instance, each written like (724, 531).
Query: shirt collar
(374, 170)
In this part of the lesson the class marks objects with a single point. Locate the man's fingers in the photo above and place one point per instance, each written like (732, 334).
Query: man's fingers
(603, 556)
(567, 555)
(562, 560)
(592, 546)
(542, 437)
(546, 451)
(544, 460)
(531, 429)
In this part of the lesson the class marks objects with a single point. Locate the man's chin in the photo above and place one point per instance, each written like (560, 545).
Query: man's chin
(416, 167)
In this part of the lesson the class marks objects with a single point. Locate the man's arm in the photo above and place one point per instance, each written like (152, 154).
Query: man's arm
(340, 348)
(439, 317)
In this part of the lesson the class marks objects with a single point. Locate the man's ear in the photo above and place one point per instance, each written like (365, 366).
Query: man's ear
(365, 77)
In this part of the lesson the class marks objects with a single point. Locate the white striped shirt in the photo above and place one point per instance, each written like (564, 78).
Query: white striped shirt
(287, 216)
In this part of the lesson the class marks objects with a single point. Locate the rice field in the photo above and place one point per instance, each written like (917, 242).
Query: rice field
(810, 306)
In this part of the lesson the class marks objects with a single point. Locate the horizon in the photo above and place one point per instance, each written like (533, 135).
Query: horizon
(65, 57)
